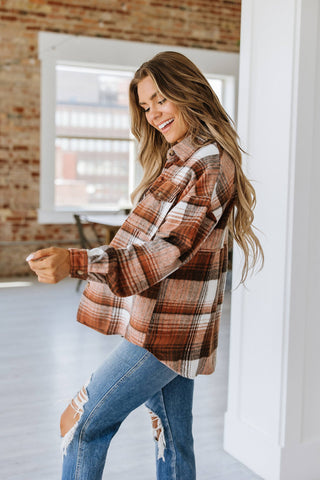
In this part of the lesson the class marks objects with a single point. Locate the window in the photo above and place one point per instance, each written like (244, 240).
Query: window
(87, 151)
(94, 151)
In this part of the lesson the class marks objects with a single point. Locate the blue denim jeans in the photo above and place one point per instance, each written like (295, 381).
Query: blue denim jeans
(132, 376)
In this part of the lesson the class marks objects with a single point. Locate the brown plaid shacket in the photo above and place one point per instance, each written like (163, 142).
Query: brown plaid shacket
(160, 283)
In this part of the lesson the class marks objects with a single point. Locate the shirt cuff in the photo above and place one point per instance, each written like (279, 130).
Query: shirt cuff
(78, 263)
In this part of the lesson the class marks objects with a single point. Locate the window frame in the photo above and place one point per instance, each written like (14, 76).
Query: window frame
(106, 53)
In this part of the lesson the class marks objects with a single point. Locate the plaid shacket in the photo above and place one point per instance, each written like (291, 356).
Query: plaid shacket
(160, 283)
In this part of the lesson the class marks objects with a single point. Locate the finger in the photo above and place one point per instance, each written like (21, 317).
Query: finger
(39, 254)
(35, 257)
(43, 280)
(40, 265)
(46, 279)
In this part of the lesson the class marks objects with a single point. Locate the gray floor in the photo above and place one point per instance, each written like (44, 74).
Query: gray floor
(46, 356)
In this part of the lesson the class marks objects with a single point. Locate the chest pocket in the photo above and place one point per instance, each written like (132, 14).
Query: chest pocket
(166, 191)
(146, 219)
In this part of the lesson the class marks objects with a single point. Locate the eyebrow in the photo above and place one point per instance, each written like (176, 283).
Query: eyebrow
(151, 98)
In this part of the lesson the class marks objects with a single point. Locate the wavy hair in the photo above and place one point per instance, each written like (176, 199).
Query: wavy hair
(180, 81)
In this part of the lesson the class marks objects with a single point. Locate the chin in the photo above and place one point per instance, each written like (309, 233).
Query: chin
(172, 140)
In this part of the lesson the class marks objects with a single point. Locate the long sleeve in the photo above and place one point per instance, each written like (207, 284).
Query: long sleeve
(135, 268)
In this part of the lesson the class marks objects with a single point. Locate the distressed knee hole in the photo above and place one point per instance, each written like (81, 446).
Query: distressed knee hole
(155, 421)
(71, 416)
(158, 434)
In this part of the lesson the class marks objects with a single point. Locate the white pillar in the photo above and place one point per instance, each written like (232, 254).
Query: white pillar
(273, 419)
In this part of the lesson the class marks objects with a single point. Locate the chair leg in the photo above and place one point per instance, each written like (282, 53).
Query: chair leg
(78, 285)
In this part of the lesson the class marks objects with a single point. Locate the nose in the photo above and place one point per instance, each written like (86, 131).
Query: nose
(154, 113)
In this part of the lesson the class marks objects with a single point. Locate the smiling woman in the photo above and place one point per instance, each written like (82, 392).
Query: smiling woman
(160, 283)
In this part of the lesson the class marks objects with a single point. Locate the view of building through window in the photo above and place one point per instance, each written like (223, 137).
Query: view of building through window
(94, 167)
(95, 152)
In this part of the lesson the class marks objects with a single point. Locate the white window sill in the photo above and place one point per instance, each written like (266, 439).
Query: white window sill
(66, 217)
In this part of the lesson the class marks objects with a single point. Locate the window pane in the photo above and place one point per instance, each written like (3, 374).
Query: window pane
(92, 174)
(217, 86)
(92, 138)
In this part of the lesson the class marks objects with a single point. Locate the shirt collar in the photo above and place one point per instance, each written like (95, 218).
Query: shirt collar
(183, 149)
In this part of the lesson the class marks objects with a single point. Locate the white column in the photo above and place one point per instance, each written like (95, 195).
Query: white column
(273, 419)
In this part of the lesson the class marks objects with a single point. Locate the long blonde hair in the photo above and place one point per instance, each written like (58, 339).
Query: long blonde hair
(181, 82)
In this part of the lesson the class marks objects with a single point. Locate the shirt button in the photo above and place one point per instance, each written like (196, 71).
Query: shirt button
(80, 272)
(171, 153)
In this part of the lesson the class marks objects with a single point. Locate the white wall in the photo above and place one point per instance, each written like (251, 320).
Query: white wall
(273, 420)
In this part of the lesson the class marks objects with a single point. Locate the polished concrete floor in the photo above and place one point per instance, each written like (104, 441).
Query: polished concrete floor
(45, 357)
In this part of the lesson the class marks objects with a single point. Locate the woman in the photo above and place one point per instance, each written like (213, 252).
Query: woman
(160, 283)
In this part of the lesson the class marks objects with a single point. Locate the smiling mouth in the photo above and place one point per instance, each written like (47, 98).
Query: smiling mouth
(165, 124)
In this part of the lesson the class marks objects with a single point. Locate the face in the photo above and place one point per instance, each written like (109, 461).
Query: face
(162, 114)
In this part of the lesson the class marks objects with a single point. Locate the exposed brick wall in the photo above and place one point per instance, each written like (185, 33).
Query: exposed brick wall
(212, 24)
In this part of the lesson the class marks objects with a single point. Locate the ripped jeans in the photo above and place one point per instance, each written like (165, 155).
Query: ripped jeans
(131, 376)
